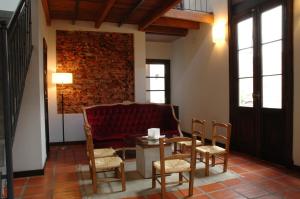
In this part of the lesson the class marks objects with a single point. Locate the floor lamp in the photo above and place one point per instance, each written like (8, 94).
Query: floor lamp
(62, 79)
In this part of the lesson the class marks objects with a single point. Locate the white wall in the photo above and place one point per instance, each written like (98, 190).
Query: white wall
(9, 5)
(200, 74)
(74, 122)
(296, 138)
(158, 50)
(29, 151)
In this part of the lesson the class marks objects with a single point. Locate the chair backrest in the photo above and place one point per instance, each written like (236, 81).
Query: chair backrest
(199, 128)
(186, 155)
(218, 131)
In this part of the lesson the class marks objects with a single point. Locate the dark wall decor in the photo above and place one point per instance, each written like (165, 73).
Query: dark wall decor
(102, 64)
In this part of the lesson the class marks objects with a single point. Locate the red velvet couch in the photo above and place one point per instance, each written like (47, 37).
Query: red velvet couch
(118, 125)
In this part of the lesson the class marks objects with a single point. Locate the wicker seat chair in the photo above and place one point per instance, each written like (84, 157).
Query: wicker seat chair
(175, 163)
(104, 164)
(213, 151)
(198, 129)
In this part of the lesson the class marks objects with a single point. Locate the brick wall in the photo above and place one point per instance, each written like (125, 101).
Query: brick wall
(102, 64)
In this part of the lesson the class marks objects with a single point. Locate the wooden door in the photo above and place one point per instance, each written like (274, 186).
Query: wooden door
(261, 81)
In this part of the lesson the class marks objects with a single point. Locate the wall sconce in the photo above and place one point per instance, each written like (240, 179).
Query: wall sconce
(219, 31)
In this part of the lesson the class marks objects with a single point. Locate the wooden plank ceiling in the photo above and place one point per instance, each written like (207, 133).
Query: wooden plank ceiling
(151, 16)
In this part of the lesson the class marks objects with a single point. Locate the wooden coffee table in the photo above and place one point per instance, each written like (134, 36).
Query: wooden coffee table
(147, 151)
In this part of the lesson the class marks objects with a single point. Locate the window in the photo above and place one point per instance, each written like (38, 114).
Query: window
(271, 45)
(245, 62)
(158, 81)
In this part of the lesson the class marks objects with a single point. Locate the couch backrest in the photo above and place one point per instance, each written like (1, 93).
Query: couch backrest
(120, 120)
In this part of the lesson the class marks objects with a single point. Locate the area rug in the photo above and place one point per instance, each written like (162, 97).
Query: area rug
(136, 185)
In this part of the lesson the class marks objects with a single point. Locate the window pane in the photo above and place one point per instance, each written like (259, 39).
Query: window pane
(272, 92)
(271, 23)
(272, 58)
(156, 96)
(156, 84)
(246, 63)
(155, 70)
(245, 33)
(245, 92)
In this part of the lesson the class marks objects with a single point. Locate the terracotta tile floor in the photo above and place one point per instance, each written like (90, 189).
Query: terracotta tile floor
(258, 180)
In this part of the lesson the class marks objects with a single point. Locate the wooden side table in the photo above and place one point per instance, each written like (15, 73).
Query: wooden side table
(147, 151)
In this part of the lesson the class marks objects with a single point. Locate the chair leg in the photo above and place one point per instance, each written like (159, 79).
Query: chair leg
(91, 173)
(123, 176)
(94, 181)
(153, 176)
(213, 160)
(180, 178)
(175, 148)
(117, 173)
(183, 148)
(225, 162)
(206, 164)
(163, 186)
(191, 183)
(200, 156)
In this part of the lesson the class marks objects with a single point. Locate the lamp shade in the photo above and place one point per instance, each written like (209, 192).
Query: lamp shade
(62, 78)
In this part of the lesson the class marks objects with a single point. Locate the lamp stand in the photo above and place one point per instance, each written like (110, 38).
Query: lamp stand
(63, 116)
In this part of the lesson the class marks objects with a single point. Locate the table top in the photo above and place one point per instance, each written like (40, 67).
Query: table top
(147, 143)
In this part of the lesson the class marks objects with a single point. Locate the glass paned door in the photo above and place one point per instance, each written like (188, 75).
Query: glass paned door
(245, 62)
(271, 47)
(269, 66)
(261, 80)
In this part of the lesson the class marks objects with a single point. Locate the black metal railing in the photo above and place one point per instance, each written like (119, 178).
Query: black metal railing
(194, 5)
(15, 55)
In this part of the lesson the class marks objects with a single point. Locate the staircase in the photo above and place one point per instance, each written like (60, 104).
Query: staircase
(15, 55)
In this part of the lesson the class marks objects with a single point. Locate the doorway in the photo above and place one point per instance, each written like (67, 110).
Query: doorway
(261, 80)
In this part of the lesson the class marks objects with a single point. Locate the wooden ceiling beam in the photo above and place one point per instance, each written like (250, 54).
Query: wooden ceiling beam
(157, 13)
(136, 6)
(76, 11)
(166, 31)
(46, 12)
(176, 23)
(201, 17)
(108, 6)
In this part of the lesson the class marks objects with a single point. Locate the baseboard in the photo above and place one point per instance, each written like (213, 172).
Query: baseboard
(21, 174)
(66, 143)
(296, 168)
